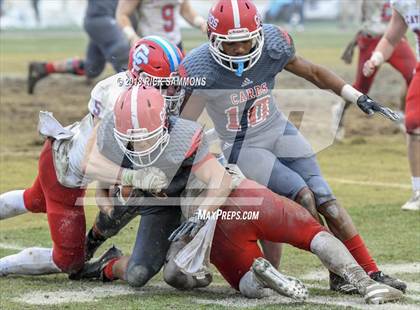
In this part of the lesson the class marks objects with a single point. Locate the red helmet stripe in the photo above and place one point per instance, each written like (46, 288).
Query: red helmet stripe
(236, 15)
(134, 114)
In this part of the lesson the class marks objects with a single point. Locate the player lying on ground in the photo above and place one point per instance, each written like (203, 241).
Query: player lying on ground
(140, 131)
(406, 14)
(58, 191)
(239, 64)
(68, 151)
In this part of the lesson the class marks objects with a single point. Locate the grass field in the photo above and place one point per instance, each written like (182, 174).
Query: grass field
(368, 173)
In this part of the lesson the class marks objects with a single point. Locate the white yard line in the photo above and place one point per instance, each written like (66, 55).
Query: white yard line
(228, 297)
(10, 246)
(369, 183)
(322, 274)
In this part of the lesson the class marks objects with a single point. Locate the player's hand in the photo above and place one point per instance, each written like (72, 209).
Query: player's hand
(149, 179)
(134, 39)
(369, 67)
(188, 229)
(370, 107)
(203, 28)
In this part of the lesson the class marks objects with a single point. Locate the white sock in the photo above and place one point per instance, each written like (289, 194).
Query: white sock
(12, 204)
(30, 261)
(416, 183)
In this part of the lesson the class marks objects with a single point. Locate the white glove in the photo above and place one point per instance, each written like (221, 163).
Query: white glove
(150, 179)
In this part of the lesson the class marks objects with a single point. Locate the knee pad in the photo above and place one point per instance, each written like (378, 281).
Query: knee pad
(138, 275)
(250, 287)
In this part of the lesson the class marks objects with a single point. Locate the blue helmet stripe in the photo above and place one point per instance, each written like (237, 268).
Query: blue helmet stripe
(171, 52)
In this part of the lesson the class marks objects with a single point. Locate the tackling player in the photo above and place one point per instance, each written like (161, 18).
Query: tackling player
(140, 130)
(106, 44)
(375, 17)
(240, 63)
(157, 18)
(405, 14)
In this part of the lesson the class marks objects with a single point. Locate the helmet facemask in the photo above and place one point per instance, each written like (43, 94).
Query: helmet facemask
(152, 144)
(169, 88)
(237, 64)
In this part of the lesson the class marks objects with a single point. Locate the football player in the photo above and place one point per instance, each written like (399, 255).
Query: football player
(140, 130)
(240, 63)
(69, 149)
(375, 16)
(405, 14)
(158, 18)
(106, 44)
(58, 191)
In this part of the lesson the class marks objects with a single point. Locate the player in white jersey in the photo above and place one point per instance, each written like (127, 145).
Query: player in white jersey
(406, 14)
(158, 17)
(376, 15)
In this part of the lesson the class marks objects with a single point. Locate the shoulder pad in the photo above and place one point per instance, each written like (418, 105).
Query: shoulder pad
(199, 64)
(278, 42)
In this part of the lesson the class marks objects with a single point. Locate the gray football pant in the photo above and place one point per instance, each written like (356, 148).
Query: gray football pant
(284, 163)
(107, 43)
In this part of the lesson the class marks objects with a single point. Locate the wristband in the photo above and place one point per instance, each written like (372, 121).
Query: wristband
(377, 58)
(129, 32)
(198, 21)
(349, 93)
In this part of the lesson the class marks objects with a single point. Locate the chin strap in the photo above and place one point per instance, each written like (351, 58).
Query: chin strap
(240, 68)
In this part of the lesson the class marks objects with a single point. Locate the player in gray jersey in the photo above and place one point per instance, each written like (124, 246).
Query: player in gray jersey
(239, 65)
(106, 44)
(140, 134)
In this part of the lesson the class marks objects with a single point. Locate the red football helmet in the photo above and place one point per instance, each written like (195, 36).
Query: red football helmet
(153, 61)
(141, 124)
(235, 21)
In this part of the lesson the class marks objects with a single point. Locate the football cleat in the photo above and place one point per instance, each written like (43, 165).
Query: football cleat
(380, 277)
(284, 285)
(94, 269)
(413, 204)
(372, 291)
(339, 284)
(378, 293)
(36, 72)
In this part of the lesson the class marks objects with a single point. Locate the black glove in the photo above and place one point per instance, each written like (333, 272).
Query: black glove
(187, 229)
(370, 106)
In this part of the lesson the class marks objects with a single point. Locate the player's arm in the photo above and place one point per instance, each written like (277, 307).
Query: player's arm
(192, 106)
(96, 166)
(103, 201)
(125, 9)
(192, 17)
(383, 51)
(326, 79)
(218, 182)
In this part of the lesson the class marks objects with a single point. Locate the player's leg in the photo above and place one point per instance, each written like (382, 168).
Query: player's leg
(95, 61)
(110, 40)
(282, 220)
(39, 70)
(273, 174)
(175, 277)
(412, 124)
(149, 252)
(338, 220)
(108, 225)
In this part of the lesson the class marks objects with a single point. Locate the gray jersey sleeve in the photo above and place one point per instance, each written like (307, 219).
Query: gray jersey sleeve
(106, 142)
(279, 46)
